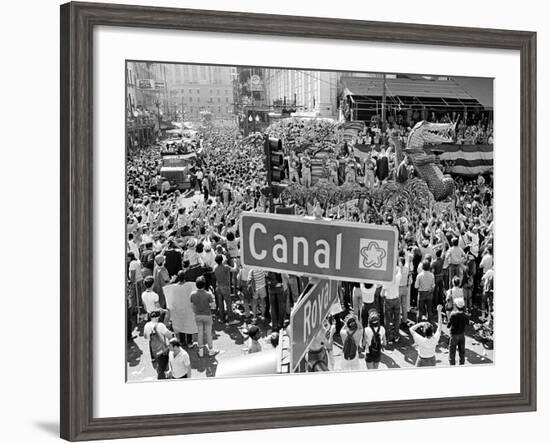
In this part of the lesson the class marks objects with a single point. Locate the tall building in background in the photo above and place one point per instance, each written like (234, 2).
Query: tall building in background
(146, 86)
(251, 107)
(193, 88)
(311, 93)
(198, 88)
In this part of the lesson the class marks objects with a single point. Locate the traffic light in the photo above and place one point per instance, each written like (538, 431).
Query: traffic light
(274, 159)
(278, 188)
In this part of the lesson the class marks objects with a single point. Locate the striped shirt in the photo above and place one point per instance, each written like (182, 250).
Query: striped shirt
(259, 277)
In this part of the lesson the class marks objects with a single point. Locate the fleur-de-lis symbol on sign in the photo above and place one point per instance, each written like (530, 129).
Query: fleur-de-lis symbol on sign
(372, 255)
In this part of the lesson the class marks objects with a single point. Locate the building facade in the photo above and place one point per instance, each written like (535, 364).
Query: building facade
(177, 87)
(146, 87)
(310, 93)
(200, 88)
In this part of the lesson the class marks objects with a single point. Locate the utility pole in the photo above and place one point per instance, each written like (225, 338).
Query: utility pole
(267, 153)
(158, 115)
(384, 109)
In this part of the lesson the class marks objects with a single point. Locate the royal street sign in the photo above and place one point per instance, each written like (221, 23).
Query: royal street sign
(322, 248)
(307, 317)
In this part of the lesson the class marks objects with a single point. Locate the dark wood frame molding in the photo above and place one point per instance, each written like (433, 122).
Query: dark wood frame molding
(77, 24)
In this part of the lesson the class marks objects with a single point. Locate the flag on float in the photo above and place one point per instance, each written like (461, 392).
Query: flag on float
(361, 152)
(467, 159)
(355, 124)
(351, 129)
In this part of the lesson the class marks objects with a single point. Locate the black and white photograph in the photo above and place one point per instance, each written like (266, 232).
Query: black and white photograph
(289, 221)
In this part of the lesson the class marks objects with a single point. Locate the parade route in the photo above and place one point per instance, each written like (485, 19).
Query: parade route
(230, 341)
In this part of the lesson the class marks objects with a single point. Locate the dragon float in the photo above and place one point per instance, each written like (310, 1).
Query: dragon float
(423, 135)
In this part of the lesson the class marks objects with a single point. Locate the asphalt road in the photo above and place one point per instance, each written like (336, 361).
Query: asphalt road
(230, 341)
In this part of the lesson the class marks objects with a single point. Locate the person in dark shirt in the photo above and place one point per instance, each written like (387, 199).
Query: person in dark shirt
(382, 167)
(437, 270)
(222, 274)
(148, 259)
(417, 258)
(277, 300)
(458, 321)
(192, 272)
(173, 259)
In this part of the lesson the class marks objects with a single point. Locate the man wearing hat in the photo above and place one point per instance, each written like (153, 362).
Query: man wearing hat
(458, 321)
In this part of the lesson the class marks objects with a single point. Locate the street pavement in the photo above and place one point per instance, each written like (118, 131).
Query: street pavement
(230, 341)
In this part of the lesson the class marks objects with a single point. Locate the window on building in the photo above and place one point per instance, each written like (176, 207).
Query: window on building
(198, 99)
(226, 99)
(198, 91)
(219, 99)
(191, 99)
(190, 91)
(211, 92)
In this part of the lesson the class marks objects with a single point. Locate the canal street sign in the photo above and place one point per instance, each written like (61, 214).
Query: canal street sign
(327, 249)
(306, 318)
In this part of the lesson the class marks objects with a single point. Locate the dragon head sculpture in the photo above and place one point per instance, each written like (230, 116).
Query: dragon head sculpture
(426, 133)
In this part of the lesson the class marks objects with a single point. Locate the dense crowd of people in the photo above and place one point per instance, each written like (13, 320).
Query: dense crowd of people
(184, 269)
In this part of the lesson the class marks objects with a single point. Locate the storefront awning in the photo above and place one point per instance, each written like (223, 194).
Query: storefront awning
(407, 92)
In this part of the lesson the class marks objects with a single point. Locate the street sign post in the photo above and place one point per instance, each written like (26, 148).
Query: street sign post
(306, 318)
(322, 248)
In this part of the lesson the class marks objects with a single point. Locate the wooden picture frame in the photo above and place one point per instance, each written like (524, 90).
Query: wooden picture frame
(77, 23)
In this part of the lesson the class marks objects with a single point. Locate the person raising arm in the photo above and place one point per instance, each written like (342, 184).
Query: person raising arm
(427, 342)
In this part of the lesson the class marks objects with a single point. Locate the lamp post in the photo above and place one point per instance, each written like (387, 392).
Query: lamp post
(157, 103)
(256, 120)
(250, 120)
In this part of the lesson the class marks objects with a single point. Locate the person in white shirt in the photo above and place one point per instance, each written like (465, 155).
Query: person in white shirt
(179, 362)
(357, 299)
(456, 257)
(428, 341)
(200, 176)
(259, 291)
(392, 307)
(150, 298)
(474, 241)
(146, 237)
(155, 327)
(133, 246)
(487, 260)
(454, 293)
(191, 252)
(368, 291)
(245, 286)
(404, 289)
(207, 256)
